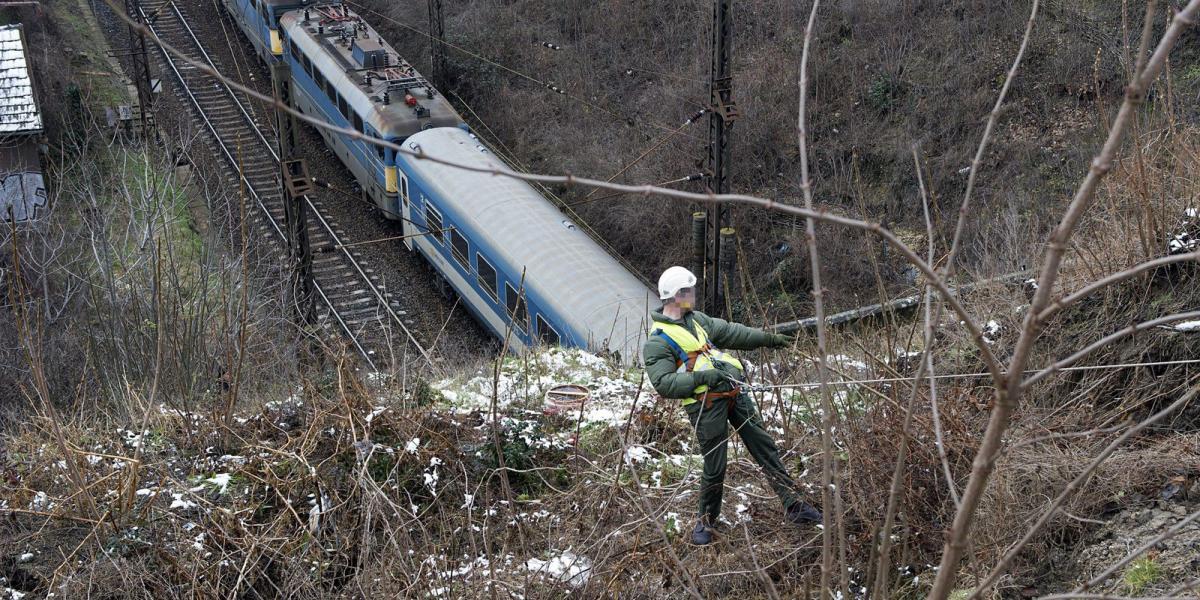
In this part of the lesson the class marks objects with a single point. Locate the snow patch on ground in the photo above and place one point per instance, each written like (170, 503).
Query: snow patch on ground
(524, 381)
(1187, 326)
(180, 503)
(991, 330)
(568, 567)
(220, 481)
(637, 454)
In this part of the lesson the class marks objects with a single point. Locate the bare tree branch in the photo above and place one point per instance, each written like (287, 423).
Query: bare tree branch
(1009, 389)
(1091, 288)
(1104, 341)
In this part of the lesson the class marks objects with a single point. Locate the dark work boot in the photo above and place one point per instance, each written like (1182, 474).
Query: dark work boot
(702, 535)
(802, 513)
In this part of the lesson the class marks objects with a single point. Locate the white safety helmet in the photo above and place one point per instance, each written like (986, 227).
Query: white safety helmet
(672, 280)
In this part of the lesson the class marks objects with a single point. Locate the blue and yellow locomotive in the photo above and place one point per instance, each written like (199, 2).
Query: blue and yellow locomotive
(343, 72)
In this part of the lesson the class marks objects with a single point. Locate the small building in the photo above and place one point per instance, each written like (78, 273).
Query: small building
(22, 187)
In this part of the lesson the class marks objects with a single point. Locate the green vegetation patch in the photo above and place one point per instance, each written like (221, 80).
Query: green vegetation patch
(1141, 573)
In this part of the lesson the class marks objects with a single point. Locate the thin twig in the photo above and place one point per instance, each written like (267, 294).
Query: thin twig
(1104, 341)
(819, 312)
(766, 579)
(1133, 554)
(1091, 288)
(939, 437)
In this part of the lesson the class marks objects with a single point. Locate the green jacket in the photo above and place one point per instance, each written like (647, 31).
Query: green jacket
(660, 358)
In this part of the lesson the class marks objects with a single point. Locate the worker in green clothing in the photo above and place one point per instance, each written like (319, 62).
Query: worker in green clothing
(684, 360)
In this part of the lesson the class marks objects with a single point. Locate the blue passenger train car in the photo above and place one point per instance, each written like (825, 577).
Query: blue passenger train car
(486, 231)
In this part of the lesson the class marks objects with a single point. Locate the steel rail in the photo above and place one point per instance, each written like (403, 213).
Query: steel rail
(382, 301)
(248, 185)
(208, 59)
(271, 220)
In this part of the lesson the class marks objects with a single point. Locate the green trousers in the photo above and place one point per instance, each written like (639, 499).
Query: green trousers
(712, 431)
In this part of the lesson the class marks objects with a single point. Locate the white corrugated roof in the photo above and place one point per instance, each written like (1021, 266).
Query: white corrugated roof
(18, 109)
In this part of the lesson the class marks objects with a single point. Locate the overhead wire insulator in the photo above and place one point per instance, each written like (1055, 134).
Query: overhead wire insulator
(555, 88)
(685, 179)
(693, 118)
(550, 45)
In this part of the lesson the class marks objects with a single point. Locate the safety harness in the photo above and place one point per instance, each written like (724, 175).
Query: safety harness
(686, 361)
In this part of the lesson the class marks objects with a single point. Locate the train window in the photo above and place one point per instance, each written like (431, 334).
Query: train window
(308, 66)
(433, 220)
(460, 249)
(403, 189)
(262, 12)
(379, 151)
(546, 333)
(487, 275)
(516, 307)
(319, 79)
(332, 93)
(358, 123)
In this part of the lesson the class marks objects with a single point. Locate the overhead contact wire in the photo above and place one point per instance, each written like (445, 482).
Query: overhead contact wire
(666, 138)
(547, 85)
(1099, 367)
(692, 177)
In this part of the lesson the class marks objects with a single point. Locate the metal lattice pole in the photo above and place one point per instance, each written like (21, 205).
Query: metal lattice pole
(140, 60)
(724, 113)
(437, 48)
(295, 183)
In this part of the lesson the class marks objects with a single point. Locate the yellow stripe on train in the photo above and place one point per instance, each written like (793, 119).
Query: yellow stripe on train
(391, 181)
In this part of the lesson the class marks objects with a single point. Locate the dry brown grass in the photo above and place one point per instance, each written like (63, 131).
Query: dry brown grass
(1030, 475)
(257, 538)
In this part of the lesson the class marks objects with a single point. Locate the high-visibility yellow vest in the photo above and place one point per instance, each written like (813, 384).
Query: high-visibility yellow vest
(692, 352)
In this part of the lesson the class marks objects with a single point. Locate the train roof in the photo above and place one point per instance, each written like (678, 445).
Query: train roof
(563, 265)
(338, 41)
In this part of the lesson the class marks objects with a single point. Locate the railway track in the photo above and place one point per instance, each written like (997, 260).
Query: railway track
(350, 298)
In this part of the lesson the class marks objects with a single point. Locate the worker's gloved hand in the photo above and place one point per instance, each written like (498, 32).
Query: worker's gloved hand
(781, 340)
(713, 378)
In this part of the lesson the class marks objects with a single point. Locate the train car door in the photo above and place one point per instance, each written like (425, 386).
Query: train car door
(406, 227)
